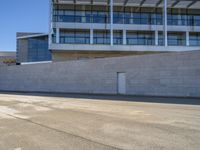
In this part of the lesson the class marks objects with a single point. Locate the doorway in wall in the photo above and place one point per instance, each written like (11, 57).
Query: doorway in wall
(121, 83)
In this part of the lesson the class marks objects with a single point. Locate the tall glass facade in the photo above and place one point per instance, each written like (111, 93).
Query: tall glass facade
(148, 35)
(132, 38)
(127, 16)
(83, 37)
(38, 49)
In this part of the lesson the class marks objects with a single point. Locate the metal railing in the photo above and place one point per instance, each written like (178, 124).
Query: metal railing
(126, 20)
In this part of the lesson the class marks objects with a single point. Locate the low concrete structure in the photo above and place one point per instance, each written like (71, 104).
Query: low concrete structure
(32, 47)
(169, 74)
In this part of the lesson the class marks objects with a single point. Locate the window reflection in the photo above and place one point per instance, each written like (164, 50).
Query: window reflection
(125, 17)
(38, 49)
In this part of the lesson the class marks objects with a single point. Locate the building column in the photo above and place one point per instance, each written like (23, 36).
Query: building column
(156, 37)
(124, 37)
(57, 35)
(91, 36)
(165, 23)
(50, 21)
(111, 22)
(187, 38)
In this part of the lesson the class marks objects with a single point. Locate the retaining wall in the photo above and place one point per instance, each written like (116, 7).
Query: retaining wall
(167, 74)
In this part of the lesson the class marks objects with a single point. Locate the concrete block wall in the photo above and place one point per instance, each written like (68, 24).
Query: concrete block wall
(166, 74)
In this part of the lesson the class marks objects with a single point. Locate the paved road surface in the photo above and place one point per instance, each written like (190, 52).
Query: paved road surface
(82, 122)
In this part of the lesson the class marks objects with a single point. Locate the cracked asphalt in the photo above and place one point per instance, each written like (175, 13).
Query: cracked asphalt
(41, 121)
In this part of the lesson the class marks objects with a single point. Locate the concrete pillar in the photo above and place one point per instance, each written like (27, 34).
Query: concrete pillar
(57, 35)
(187, 38)
(124, 37)
(50, 20)
(111, 22)
(165, 23)
(91, 36)
(156, 37)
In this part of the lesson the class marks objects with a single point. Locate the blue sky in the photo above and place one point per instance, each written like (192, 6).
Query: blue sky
(21, 16)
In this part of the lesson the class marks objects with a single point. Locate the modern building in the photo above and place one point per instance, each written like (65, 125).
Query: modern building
(7, 58)
(32, 47)
(81, 29)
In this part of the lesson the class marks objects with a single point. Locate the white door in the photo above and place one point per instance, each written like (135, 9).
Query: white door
(121, 83)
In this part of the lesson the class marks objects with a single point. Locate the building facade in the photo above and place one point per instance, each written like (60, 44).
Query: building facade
(32, 47)
(81, 29)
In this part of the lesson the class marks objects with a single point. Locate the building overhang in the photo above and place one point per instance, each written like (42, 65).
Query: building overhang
(119, 48)
(32, 36)
(192, 4)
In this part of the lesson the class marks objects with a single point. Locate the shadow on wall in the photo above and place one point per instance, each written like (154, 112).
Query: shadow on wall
(129, 98)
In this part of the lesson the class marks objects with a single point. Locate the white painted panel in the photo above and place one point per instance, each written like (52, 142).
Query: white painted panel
(121, 83)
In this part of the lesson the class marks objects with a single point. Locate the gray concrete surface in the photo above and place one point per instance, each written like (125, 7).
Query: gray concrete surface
(34, 121)
(168, 74)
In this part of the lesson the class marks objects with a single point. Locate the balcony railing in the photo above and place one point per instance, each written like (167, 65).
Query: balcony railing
(74, 40)
(151, 19)
(193, 41)
(140, 41)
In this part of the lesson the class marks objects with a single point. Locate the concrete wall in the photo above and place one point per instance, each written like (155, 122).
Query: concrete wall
(167, 74)
(76, 55)
(22, 50)
(120, 48)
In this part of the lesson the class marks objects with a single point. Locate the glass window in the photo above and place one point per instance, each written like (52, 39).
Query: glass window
(118, 37)
(125, 17)
(99, 17)
(74, 37)
(136, 18)
(118, 17)
(197, 20)
(140, 38)
(194, 39)
(38, 49)
(176, 39)
(101, 37)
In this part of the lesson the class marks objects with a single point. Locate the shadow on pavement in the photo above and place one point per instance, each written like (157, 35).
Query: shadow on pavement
(129, 98)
